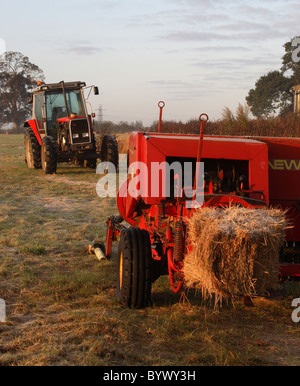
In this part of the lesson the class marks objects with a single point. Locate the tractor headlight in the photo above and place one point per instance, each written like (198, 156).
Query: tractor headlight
(75, 135)
(85, 135)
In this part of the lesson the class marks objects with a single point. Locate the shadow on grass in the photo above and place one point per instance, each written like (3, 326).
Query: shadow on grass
(185, 298)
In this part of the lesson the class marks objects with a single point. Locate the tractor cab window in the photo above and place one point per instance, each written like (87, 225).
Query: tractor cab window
(38, 110)
(56, 107)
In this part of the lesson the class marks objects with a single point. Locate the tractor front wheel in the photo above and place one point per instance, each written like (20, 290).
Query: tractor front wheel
(32, 150)
(134, 276)
(49, 155)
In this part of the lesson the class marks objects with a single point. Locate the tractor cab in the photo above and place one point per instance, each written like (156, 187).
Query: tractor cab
(61, 106)
(58, 104)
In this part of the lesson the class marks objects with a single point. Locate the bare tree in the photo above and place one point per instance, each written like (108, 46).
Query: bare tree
(17, 76)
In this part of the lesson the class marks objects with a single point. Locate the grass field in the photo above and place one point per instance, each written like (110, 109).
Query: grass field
(60, 301)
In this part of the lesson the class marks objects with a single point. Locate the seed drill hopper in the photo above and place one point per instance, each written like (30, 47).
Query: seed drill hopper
(165, 186)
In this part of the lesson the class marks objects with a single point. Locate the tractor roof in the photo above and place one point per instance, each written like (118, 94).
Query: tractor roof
(58, 86)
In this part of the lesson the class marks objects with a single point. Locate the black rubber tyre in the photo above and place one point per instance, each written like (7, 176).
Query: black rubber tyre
(91, 164)
(49, 155)
(134, 276)
(32, 150)
(109, 150)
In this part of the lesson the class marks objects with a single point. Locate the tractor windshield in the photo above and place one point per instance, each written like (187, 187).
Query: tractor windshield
(56, 106)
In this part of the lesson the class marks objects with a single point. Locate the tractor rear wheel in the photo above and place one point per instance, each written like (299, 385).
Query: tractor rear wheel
(49, 155)
(134, 276)
(32, 150)
(109, 150)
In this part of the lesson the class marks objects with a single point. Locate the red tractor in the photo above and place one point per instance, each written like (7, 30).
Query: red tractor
(250, 172)
(61, 129)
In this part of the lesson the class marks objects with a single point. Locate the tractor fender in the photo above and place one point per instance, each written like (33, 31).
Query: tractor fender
(126, 204)
(32, 124)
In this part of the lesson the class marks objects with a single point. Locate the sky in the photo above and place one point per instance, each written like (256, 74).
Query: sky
(198, 56)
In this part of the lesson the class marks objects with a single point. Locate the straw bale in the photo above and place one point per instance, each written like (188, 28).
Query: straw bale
(235, 251)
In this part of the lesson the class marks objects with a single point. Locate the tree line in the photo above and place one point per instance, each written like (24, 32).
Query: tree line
(270, 102)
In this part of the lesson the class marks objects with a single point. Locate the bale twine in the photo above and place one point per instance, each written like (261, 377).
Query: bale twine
(235, 251)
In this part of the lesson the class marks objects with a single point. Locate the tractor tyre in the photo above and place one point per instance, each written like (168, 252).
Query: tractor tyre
(109, 150)
(32, 150)
(134, 276)
(49, 155)
(92, 164)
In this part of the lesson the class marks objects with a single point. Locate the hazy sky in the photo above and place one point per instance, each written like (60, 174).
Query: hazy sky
(196, 55)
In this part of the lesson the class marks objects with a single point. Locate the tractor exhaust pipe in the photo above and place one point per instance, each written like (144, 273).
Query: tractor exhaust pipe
(203, 119)
(65, 98)
(161, 105)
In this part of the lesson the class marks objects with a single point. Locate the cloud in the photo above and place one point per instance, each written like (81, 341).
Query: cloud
(84, 50)
(257, 35)
(247, 64)
(78, 47)
(255, 12)
(204, 4)
(170, 83)
(219, 48)
(178, 90)
(185, 36)
(103, 5)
